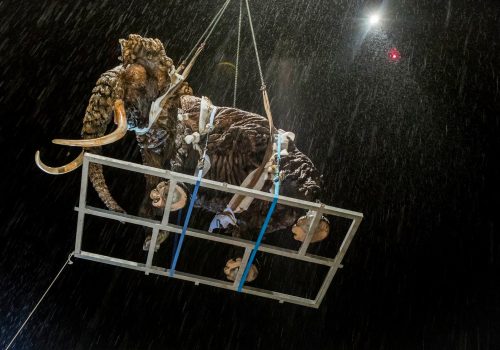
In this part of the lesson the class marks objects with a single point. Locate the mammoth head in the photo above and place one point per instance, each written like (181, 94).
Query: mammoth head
(125, 92)
(146, 75)
(146, 51)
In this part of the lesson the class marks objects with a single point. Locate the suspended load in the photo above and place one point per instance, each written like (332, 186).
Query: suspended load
(188, 141)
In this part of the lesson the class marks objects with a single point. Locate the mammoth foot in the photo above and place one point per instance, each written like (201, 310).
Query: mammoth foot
(232, 267)
(162, 236)
(302, 226)
(160, 193)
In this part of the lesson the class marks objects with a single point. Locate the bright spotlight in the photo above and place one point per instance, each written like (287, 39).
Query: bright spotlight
(374, 19)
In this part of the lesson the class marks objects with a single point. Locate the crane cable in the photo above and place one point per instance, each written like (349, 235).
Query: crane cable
(267, 107)
(68, 262)
(207, 33)
(267, 155)
(237, 55)
(265, 97)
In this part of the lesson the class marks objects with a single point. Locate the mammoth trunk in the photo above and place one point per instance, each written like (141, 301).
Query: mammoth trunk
(96, 176)
(98, 115)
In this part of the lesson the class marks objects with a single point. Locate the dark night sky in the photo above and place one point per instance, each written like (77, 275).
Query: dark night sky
(412, 144)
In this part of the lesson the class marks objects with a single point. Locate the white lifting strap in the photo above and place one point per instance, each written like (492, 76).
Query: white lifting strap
(205, 124)
(239, 203)
(267, 174)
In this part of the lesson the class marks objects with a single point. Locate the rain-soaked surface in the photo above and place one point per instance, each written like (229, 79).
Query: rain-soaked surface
(402, 118)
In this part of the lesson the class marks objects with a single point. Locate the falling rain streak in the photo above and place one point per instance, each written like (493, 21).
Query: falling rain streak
(411, 141)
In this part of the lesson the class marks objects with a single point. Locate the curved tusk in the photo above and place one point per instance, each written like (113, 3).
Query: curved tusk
(121, 130)
(75, 164)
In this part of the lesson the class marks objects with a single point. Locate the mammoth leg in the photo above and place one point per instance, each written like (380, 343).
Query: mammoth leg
(233, 264)
(249, 224)
(243, 230)
(158, 149)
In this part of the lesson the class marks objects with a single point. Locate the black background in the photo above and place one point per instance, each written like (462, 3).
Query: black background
(412, 144)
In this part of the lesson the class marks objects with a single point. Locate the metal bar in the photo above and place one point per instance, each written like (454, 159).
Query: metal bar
(195, 279)
(110, 260)
(186, 221)
(83, 200)
(151, 250)
(310, 231)
(166, 213)
(338, 259)
(121, 164)
(226, 285)
(131, 219)
(347, 240)
(168, 203)
(282, 297)
(244, 262)
(224, 187)
(266, 248)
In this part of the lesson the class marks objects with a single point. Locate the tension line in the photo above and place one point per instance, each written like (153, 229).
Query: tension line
(236, 66)
(204, 37)
(68, 261)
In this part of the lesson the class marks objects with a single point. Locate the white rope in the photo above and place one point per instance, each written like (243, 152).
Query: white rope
(255, 46)
(237, 55)
(210, 28)
(68, 261)
(218, 19)
(237, 199)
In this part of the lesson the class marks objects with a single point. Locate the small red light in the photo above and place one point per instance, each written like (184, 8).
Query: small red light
(394, 54)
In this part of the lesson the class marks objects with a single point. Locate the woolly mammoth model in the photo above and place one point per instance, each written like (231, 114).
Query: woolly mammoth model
(148, 95)
(127, 92)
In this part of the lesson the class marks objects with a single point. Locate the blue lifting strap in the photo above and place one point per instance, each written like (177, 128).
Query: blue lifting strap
(268, 218)
(176, 237)
(193, 198)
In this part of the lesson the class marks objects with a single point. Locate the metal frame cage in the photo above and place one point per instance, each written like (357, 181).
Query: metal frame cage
(301, 254)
